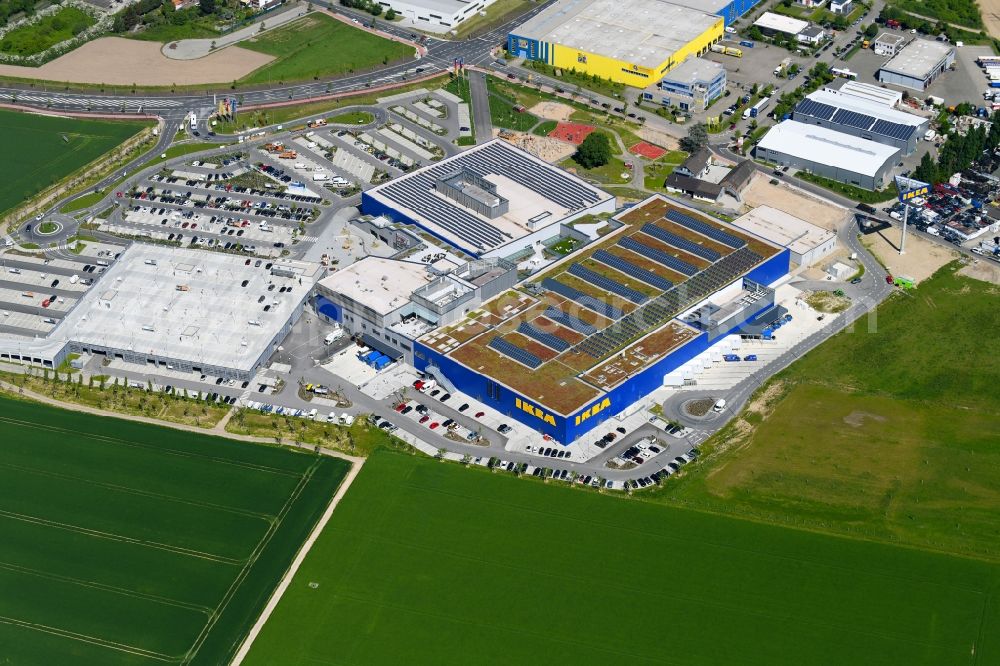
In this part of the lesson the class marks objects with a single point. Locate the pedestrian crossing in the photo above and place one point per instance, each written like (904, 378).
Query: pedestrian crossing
(130, 104)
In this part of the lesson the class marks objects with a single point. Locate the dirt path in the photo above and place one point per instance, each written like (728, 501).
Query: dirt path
(123, 62)
(990, 9)
(272, 603)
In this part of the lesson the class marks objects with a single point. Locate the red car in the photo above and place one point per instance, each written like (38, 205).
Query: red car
(400, 406)
(434, 425)
(419, 384)
(888, 279)
(424, 418)
(46, 303)
(480, 414)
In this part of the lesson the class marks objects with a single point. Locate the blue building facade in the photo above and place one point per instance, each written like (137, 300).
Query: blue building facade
(736, 9)
(529, 49)
(568, 428)
(691, 86)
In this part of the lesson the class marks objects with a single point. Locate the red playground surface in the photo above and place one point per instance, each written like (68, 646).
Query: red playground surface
(575, 133)
(647, 150)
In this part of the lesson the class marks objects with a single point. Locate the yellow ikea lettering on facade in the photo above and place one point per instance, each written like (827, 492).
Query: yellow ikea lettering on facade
(593, 410)
(534, 411)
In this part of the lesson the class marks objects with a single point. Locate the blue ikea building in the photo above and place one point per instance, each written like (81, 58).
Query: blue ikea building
(708, 318)
(729, 10)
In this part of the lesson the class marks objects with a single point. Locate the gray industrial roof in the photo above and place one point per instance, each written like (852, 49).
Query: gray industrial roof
(827, 146)
(642, 32)
(918, 58)
(137, 306)
(693, 70)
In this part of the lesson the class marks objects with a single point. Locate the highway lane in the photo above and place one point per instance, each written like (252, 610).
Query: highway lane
(440, 55)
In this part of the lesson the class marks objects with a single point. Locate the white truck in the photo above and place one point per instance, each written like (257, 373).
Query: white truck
(320, 177)
(719, 405)
(333, 336)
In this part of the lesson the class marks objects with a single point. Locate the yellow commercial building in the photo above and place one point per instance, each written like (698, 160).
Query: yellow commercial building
(634, 42)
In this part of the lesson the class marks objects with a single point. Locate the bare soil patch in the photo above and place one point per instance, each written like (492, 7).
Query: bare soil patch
(922, 259)
(984, 270)
(857, 419)
(990, 9)
(552, 111)
(547, 148)
(795, 202)
(123, 62)
(659, 138)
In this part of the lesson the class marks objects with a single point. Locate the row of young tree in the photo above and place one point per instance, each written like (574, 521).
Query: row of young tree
(373, 8)
(959, 152)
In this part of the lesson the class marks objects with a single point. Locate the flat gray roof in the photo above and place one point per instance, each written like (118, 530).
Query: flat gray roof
(641, 32)
(137, 306)
(918, 58)
(691, 71)
(829, 147)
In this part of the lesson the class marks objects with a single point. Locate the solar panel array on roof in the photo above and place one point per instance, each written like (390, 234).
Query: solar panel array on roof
(705, 229)
(513, 351)
(680, 242)
(815, 109)
(659, 257)
(569, 321)
(547, 339)
(853, 119)
(665, 307)
(893, 130)
(606, 283)
(589, 302)
(416, 191)
(628, 268)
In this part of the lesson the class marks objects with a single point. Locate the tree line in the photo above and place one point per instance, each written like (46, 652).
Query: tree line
(959, 152)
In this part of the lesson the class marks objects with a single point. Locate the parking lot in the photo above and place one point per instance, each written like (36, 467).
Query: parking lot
(36, 293)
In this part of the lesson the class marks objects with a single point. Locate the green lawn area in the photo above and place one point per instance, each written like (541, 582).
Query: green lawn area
(47, 227)
(850, 191)
(887, 433)
(310, 111)
(182, 149)
(610, 173)
(318, 46)
(543, 128)
(577, 82)
(502, 112)
(86, 201)
(46, 32)
(126, 543)
(656, 172)
(427, 563)
(353, 118)
(498, 12)
(36, 155)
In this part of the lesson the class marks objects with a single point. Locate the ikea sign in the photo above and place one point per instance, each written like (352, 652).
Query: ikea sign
(537, 412)
(910, 188)
(593, 410)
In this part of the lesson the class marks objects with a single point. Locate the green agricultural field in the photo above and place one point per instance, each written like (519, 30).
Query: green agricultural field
(318, 46)
(888, 432)
(36, 155)
(428, 563)
(125, 543)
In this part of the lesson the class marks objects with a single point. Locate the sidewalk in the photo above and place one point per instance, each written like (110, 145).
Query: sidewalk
(192, 49)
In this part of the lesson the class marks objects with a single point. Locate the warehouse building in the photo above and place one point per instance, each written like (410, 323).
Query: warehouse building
(918, 64)
(828, 153)
(389, 303)
(806, 242)
(851, 114)
(878, 94)
(774, 24)
(493, 200)
(436, 15)
(691, 86)
(634, 42)
(601, 329)
(183, 310)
